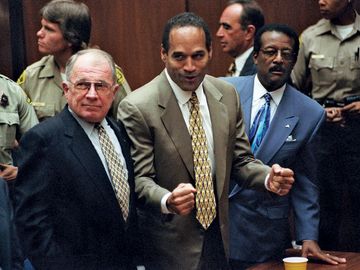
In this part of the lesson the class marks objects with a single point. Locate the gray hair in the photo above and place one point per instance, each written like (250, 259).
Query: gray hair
(99, 53)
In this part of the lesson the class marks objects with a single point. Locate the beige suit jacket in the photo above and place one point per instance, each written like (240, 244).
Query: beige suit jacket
(162, 155)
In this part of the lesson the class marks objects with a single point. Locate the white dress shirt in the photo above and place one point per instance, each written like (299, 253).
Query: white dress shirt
(241, 60)
(258, 101)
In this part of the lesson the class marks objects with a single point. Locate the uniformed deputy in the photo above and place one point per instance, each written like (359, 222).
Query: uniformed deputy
(329, 58)
(16, 117)
(66, 27)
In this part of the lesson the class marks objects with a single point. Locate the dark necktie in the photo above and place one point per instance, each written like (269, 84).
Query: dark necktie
(205, 197)
(231, 70)
(116, 169)
(260, 124)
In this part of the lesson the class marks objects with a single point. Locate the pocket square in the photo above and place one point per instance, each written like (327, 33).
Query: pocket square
(290, 139)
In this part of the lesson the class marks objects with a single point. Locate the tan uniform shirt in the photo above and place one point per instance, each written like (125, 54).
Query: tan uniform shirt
(332, 62)
(42, 80)
(15, 115)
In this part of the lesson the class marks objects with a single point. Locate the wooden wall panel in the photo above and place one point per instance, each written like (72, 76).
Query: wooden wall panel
(5, 40)
(32, 18)
(297, 14)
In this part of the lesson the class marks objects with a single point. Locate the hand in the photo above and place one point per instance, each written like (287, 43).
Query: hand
(353, 108)
(8, 172)
(182, 199)
(280, 180)
(333, 114)
(310, 248)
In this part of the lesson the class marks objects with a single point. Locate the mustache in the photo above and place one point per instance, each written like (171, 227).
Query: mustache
(277, 68)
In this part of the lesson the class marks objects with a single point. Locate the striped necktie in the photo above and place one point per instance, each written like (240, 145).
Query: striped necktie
(205, 197)
(116, 169)
(260, 125)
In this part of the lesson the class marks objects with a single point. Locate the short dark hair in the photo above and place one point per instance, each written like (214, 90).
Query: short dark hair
(74, 21)
(281, 28)
(182, 20)
(252, 13)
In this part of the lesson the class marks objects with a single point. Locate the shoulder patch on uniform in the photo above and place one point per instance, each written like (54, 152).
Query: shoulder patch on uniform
(120, 79)
(21, 79)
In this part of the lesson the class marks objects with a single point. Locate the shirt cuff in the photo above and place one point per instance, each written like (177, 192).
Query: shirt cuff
(267, 182)
(164, 208)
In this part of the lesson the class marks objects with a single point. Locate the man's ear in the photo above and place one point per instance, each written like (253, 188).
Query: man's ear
(163, 54)
(210, 52)
(255, 55)
(65, 87)
(115, 89)
(250, 32)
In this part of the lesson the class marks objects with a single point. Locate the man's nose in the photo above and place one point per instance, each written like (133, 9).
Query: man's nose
(189, 65)
(219, 32)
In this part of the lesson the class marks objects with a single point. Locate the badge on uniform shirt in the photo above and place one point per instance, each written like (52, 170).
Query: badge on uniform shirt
(21, 79)
(317, 56)
(4, 100)
(119, 76)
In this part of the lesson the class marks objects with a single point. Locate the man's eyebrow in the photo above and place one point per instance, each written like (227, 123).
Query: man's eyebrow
(224, 24)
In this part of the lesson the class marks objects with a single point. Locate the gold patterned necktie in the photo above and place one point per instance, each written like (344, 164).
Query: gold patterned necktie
(232, 69)
(205, 197)
(116, 169)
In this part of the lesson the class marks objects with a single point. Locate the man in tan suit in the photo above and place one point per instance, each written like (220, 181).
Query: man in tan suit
(159, 123)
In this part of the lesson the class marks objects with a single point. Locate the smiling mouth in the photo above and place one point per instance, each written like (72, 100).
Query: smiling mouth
(190, 78)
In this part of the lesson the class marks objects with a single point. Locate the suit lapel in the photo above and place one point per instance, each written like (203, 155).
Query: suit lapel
(89, 161)
(282, 125)
(220, 123)
(249, 67)
(174, 124)
(246, 102)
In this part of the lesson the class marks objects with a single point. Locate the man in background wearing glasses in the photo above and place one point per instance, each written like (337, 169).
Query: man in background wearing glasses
(281, 124)
(70, 211)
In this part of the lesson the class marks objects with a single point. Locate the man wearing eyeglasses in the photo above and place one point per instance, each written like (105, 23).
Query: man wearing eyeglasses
(281, 124)
(74, 191)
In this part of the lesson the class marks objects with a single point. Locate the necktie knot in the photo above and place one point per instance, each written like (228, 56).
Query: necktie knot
(231, 70)
(267, 98)
(194, 100)
(99, 127)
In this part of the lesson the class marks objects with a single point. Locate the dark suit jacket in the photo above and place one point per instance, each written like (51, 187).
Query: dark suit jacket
(66, 210)
(163, 158)
(249, 67)
(259, 227)
(10, 255)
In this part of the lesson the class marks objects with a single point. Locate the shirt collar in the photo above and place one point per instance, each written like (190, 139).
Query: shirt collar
(241, 59)
(327, 26)
(260, 91)
(184, 96)
(89, 128)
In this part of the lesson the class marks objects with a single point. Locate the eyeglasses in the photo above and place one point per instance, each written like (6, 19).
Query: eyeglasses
(100, 87)
(286, 54)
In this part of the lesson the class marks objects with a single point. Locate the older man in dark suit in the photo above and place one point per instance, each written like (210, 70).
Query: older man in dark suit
(188, 137)
(74, 192)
